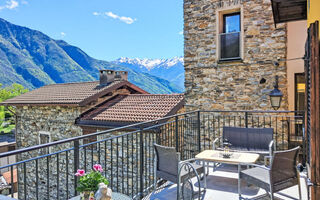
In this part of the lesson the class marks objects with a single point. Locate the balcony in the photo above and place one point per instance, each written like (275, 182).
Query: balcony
(127, 155)
(230, 46)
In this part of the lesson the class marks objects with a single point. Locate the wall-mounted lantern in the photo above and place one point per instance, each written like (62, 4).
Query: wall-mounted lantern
(276, 96)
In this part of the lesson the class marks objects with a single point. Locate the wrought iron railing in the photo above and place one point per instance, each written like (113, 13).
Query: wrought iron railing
(126, 153)
(230, 45)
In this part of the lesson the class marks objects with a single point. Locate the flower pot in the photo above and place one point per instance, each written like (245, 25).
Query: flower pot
(87, 195)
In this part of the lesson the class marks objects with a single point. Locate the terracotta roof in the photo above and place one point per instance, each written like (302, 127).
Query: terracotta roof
(7, 176)
(68, 93)
(134, 108)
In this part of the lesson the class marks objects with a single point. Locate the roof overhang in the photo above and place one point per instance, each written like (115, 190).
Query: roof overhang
(111, 89)
(289, 10)
(112, 124)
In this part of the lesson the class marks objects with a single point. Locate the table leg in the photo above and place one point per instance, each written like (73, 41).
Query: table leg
(239, 181)
(205, 174)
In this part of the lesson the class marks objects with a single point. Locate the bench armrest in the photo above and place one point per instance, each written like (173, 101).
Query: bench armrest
(271, 148)
(215, 143)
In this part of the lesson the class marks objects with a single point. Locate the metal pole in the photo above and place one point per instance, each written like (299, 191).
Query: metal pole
(177, 134)
(141, 162)
(199, 132)
(76, 163)
(246, 119)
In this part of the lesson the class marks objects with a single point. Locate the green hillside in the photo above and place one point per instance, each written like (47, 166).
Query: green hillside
(32, 59)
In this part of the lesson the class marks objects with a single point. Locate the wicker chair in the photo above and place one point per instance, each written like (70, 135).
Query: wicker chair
(169, 167)
(281, 174)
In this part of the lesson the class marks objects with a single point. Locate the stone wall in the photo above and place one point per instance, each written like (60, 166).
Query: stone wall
(211, 84)
(58, 121)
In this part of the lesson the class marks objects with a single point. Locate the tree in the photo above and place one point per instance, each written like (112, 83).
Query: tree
(9, 92)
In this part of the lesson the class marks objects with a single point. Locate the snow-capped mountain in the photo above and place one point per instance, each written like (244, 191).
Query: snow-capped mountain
(151, 63)
(169, 69)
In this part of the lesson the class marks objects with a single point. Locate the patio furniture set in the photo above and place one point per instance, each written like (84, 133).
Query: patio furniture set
(238, 146)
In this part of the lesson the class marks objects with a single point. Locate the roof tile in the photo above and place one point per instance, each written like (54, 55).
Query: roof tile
(68, 93)
(134, 108)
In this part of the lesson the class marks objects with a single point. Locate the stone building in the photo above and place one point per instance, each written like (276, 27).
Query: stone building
(48, 114)
(232, 53)
(60, 111)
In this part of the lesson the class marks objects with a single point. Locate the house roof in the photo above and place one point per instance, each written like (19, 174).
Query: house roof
(132, 108)
(289, 10)
(7, 176)
(77, 94)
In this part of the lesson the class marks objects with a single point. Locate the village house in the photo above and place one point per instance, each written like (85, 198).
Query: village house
(61, 111)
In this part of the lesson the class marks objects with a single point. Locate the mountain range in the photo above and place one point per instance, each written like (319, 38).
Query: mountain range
(33, 59)
(171, 70)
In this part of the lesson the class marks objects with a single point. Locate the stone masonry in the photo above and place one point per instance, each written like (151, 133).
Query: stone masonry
(240, 85)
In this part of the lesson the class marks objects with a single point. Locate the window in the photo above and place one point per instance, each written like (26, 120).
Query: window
(230, 36)
(300, 89)
(300, 85)
(44, 137)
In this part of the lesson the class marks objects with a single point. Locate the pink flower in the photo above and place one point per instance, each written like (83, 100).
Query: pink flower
(97, 167)
(80, 172)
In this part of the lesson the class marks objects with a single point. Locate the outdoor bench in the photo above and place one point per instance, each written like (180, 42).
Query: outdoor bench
(255, 140)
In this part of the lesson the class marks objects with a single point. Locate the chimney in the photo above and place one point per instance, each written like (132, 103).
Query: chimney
(117, 76)
(124, 75)
(106, 76)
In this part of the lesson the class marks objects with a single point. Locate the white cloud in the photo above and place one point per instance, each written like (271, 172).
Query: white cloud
(63, 34)
(96, 13)
(181, 33)
(110, 14)
(127, 20)
(12, 4)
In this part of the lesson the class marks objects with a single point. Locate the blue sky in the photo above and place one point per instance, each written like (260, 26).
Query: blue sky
(105, 29)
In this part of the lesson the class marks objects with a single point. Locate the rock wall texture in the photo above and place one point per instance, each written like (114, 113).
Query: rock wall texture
(58, 122)
(215, 85)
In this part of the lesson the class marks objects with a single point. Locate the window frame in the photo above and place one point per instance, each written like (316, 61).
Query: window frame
(296, 89)
(229, 15)
(46, 150)
(220, 21)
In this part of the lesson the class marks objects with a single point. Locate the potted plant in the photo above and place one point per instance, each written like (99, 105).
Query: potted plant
(88, 182)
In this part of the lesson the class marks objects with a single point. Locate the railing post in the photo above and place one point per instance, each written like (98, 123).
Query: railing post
(246, 119)
(76, 163)
(177, 134)
(141, 162)
(199, 131)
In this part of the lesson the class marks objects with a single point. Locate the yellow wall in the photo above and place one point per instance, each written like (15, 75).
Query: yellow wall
(313, 11)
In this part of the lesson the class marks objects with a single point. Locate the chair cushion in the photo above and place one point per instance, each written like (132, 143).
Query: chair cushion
(248, 139)
(257, 176)
(184, 174)
(167, 159)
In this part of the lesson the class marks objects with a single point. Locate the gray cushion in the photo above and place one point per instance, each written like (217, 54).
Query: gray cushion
(184, 174)
(167, 159)
(248, 139)
(257, 176)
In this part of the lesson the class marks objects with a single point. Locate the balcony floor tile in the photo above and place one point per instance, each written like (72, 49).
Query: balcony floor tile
(222, 184)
